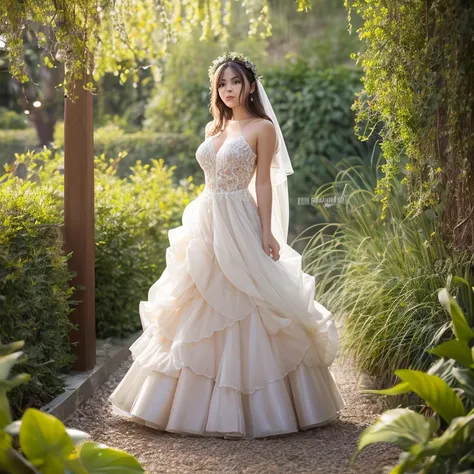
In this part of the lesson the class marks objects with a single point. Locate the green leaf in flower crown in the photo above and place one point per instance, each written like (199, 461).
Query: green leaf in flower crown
(400, 426)
(465, 378)
(435, 392)
(454, 349)
(100, 459)
(460, 326)
(44, 441)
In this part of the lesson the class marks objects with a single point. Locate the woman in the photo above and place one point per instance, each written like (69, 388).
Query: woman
(234, 344)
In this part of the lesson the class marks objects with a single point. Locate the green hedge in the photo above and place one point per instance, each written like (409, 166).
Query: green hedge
(314, 110)
(177, 149)
(133, 216)
(11, 120)
(34, 291)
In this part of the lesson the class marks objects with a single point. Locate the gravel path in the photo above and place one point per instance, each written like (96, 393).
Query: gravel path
(319, 450)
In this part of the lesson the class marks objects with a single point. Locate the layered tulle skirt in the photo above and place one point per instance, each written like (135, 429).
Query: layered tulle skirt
(233, 343)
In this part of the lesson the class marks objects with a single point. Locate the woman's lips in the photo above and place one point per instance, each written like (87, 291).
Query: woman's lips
(229, 97)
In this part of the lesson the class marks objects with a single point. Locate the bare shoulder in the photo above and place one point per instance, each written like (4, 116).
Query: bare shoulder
(266, 128)
(208, 127)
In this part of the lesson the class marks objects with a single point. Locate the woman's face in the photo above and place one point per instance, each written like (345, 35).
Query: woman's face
(229, 88)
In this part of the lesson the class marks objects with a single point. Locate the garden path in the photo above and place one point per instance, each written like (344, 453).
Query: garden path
(319, 450)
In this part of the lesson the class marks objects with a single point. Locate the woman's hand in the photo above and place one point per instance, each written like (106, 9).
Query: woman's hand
(271, 246)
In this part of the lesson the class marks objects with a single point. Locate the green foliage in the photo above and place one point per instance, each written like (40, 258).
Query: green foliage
(132, 219)
(47, 446)
(419, 82)
(176, 149)
(424, 450)
(381, 276)
(11, 120)
(313, 108)
(34, 292)
(116, 37)
(132, 222)
(15, 141)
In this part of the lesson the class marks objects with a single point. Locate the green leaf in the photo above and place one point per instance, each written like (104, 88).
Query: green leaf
(461, 329)
(5, 445)
(457, 350)
(398, 389)
(447, 443)
(400, 426)
(98, 459)
(44, 441)
(7, 362)
(435, 392)
(465, 378)
(5, 413)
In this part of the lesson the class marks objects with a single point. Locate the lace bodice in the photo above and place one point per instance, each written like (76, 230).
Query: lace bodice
(231, 168)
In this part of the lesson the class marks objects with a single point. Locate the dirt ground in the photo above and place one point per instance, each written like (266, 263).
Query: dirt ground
(320, 450)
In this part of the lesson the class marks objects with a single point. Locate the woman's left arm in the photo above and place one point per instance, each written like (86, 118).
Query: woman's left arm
(266, 143)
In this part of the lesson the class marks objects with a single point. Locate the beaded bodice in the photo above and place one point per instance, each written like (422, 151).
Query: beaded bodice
(229, 169)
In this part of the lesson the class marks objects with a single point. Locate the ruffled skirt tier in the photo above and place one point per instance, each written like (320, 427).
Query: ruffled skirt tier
(233, 343)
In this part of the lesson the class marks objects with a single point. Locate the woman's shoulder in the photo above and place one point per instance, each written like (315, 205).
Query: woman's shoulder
(208, 128)
(265, 126)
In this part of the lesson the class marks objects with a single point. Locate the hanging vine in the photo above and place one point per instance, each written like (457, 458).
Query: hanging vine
(419, 83)
(92, 37)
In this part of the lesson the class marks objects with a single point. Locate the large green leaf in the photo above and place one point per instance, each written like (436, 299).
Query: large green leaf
(44, 441)
(100, 459)
(461, 328)
(435, 392)
(457, 350)
(400, 426)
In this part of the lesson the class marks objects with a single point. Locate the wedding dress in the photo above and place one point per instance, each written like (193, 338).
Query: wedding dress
(233, 342)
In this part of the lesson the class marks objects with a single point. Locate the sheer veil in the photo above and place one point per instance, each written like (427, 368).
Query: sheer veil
(280, 168)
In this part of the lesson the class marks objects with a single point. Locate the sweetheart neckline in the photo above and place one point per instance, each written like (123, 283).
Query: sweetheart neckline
(224, 144)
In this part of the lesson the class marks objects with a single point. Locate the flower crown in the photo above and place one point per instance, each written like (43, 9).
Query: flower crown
(232, 56)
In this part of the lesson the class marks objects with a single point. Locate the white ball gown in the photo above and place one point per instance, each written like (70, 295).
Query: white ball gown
(233, 344)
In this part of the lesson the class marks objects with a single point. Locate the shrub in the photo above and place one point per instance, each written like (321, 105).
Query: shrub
(132, 222)
(426, 447)
(11, 120)
(34, 291)
(15, 141)
(380, 277)
(176, 149)
(132, 219)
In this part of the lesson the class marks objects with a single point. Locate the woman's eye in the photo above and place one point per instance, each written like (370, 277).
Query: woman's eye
(235, 82)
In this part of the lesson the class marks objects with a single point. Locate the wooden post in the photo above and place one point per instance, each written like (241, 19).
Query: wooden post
(79, 220)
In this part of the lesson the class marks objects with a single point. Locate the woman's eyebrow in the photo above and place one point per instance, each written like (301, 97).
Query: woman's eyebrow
(230, 78)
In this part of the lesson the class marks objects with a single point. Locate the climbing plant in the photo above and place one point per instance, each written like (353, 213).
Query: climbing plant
(419, 83)
(117, 36)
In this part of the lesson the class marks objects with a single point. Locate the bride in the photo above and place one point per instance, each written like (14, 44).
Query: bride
(234, 344)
